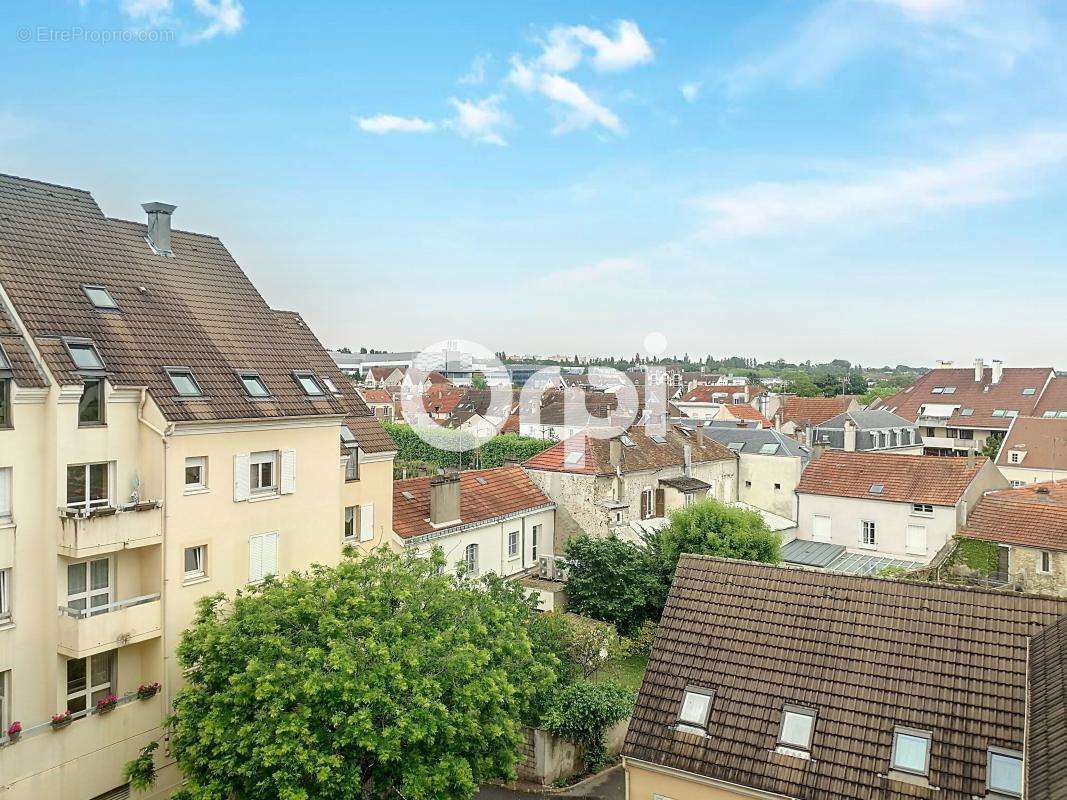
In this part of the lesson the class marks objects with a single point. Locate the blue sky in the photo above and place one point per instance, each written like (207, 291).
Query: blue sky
(878, 180)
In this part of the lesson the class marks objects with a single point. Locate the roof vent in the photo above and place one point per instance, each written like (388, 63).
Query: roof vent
(1042, 490)
(159, 227)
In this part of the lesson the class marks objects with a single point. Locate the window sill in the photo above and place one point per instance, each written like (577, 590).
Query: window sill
(194, 580)
(7, 522)
(792, 752)
(7, 625)
(867, 546)
(258, 498)
(92, 424)
(922, 514)
(197, 490)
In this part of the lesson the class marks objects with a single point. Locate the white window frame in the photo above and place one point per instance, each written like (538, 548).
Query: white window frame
(868, 526)
(470, 558)
(5, 597)
(5, 702)
(196, 462)
(922, 509)
(1002, 791)
(697, 696)
(797, 711)
(513, 544)
(648, 506)
(256, 462)
(7, 513)
(913, 733)
(350, 528)
(1044, 562)
(535, 534)
(92, 688)
(88, 502)
(89, 594)
(201, 557)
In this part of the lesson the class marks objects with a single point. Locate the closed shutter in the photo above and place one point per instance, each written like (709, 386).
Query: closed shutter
(366, 522)
(288, 482)
(121, 793)
(820, 528)
(270, 554)
(255, 559)
(241, 468)
(915, 542)
(660, 502)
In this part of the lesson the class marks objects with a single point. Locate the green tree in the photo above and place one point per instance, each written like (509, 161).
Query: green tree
(991, 446)
(582, 713)
(478, 381)
(375, 679)
(707, 528)
(609, 580)
(509, 446)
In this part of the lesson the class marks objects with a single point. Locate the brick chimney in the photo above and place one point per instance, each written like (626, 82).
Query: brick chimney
(444, 499)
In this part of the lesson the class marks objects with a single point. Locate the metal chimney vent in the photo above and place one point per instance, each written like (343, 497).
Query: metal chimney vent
(159, 227)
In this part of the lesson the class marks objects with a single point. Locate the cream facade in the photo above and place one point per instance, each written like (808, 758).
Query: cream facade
(646, 781)
(769, 482)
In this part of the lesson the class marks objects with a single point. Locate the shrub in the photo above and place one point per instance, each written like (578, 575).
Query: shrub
(640, 644)
(141, 772)
(580, 644)
(609, 580)
(978, 554)
(582, 713)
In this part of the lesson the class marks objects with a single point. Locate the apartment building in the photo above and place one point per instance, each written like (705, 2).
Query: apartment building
(164, 435)
(784, 683)
(868, 431)
(1034, 450)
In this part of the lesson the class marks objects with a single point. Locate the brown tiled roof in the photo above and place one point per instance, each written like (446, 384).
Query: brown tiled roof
(506, 490)
(904, 478)
(707, 394)
(1054, 398)
(1031, 516)
(645, 453)
(747, 412)
(981, 397)
(196, 310)
(1046, 733)
(1043, 440)
(813, 410)
(24, 369)
(376, 396)
(865, 653)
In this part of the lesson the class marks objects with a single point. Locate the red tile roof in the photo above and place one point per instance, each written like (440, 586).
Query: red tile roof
(506, 490)
(866, 654)
(376, 396)
(804, 411)
(747, 412)
(712, 394)
(1031, 516)
(1054, 398)
(904, 478)
(1043, 441)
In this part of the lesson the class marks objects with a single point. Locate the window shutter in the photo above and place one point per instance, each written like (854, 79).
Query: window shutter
(5, 492)
(241, 468)
(255, 558)
(660, 502)
(288, 482)
(366, 522)
(270, 554)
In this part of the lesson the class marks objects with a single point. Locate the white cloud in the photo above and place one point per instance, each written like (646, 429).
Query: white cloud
(690, 91)
(476, 74)
(381, 124)
(151, 11)
(992, 174)
(480, 120)
(564, 48)
(926, 9)
(225, 17)
(578, 110)
(606, 274)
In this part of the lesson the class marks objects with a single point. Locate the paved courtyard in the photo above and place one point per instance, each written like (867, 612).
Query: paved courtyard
(610, 785)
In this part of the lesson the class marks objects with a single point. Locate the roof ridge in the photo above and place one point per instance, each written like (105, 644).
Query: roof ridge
(144, 225)
(46, 183)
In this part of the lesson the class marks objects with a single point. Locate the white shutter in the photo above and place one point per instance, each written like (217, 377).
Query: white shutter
(270, 554)
(5, 492)
(820, 528)
(255, 558)
(366, 522)
(915, 543)
(288, 482)
(241, 469)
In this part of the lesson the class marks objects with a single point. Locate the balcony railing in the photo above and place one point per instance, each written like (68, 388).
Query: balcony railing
(84, 632)
(103, 530)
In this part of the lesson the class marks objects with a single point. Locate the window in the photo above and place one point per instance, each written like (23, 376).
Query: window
(696, 707)
(647, 508)
(915, 540)
(330, 385)
(777, 487)
(308, 384)
(89, 585)
(195, 562)
(84, 355)
(89, 680)
(798, 724)
(922, 508)
(470, 559)
(966, 412)
(1015, 456)
(876, 488)
(196, 473)
(820, 528)
(261, 478)
(254, 384)
(868, 533)
(535, 534)
(513, 544)
(5, 595)
(351, 522)
(352, 466)
(911, 751)
(949, 390)
(5, 494)
(91, 405)
(1046, 561)
(5, 705)
(998, 412)
(769, 449)
(748, 484)
(1005, 772)
(937, 390)
(1029, 392)
(5, 402)
(88, 486)
(184, 382)
(100, 298)
(262, 556)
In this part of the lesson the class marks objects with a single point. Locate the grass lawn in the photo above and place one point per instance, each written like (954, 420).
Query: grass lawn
(627, 672)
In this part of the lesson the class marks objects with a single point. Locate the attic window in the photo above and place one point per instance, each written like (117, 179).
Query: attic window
(1005, 773)
(876, 488)
(573, 458)
(696, 707)
(407, 495)
(769, 449)
(966, 412)
(330, 385)
(998, 412)
(480, 480)
(911, 751)
(100, 298)
(737, 447)
(308, 383)
(1028, 392)
(658, 439)
(254, 384)
(347, 437)
(627, 441)
(6, 365)
(798, 725)
(84, 355)
(184, 382)
(950, 390)
(937, 390)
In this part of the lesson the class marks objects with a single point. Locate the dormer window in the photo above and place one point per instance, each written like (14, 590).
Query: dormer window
(1005, 774)
(100, 298)
(911, 751)
(183, 381)
(696, 708)
(84, 355)
(308, 383)
(798, 725)
(254, 385)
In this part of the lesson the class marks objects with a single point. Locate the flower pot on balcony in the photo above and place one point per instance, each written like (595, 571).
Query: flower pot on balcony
(60, 721)
(105, 511)
(146, 691)
(14, 732)
(106, 704)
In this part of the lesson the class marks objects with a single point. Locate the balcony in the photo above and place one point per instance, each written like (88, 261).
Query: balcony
(84, 633)
(947, 442)
(105, 530)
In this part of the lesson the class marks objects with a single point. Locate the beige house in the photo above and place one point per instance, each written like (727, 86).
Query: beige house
(781, 683)
(769, 467)
(1034, 450)
(884, 504)
(796, 416)
(164, 435)
(626, 485)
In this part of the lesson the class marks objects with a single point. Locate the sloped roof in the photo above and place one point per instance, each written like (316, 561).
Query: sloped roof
(24, 369)
(752, 440)
(746, 412)
(1054, 398)
(903, 478)
(813, 410)
(485, 494)
(982, 398)
(196, 310)
(1046, 735)
(865, 653)
(704, 393)
(642, 454)
(1043, 440)
(1031, 516)
(867, 419)
(376, 396)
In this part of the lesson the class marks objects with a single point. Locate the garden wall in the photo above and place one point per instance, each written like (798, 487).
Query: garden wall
(547, 758)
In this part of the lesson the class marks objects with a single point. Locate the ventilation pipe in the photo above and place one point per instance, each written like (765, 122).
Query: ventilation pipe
(159, 227)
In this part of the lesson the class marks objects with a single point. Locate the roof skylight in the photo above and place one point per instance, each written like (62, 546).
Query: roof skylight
(84, 355)
(184, 382)
(876, 488)
(330, 385)
(573, 458)
(966, 412)
(347, 437)
(696, 707)
(254, 384)
(408, 495)
(627, 441)
(308, 384)
(658, 439)
(100, 298)
(480, 480)
(737, 447)
(769, 449)
(1030, 391)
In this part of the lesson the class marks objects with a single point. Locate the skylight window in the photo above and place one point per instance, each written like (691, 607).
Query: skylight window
(769, 449)
(1011, 413)
(254, 385)
(84, 355)
(798, 725)
(696, 707)
(330, 385)
(737, 447)
(911, 751)
(1049, 414)
(627, 441)
(658, 439)
(1029, 392)
(407, 495)
(950, 390)
(1005, 774)
(998, 412)
(184, 382)
(308, 384)
(573, 458)
(480, 480)
(347, 437)
(877, 488)
(937, 390)
(100, 298)
(966, 412)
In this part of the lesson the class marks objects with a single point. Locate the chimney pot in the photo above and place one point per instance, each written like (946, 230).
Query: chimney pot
(159, 227)
(444, 499)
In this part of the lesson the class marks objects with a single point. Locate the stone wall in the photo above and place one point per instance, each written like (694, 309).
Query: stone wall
(1024, 566)
(547, 758)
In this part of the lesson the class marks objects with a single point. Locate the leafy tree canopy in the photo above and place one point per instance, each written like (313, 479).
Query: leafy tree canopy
(609, 580)
(375, 679)
(991, 446)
